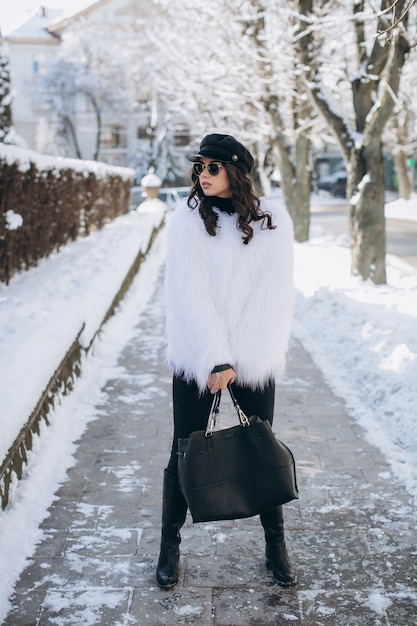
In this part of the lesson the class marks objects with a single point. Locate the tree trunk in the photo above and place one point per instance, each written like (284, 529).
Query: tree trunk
(302, 185)
(294, 159)
(296, 186)
(367, 212)
(401, 168)
(69, 126)
(98, 132)
(295, 171)
(401, 125)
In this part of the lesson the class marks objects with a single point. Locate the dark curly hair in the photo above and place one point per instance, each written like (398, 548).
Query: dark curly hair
(245, 202)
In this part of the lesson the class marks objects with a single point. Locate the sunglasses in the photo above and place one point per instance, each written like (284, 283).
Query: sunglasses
(212, 168)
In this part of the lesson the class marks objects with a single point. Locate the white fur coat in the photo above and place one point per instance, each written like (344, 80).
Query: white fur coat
(227, 302)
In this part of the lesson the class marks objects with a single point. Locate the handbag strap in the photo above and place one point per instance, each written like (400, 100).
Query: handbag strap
(215, 408)
(243, 418)
(214, 411)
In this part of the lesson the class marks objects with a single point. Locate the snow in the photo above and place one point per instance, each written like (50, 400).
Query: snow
(13, 220)
(24, 158)
(402, 209)
(43, 310)
(362, 336)
(378, 603)
(35, 25)
(22, 17)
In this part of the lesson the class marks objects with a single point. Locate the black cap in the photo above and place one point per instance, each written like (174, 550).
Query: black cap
(227, 149)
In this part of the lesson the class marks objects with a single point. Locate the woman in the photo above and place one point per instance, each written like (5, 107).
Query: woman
(229, 303)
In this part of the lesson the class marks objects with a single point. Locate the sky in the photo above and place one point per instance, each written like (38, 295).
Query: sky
(15, 13)
(360, 335)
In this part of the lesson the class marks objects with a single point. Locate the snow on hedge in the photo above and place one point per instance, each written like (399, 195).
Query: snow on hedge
(24, 158)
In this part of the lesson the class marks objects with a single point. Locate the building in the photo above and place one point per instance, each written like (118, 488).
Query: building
(127, 130)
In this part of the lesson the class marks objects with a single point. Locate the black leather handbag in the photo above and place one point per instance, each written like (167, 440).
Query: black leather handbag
(237, 472)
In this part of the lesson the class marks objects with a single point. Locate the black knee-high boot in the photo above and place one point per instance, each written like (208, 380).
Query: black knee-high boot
(277, 558)
(174, 512)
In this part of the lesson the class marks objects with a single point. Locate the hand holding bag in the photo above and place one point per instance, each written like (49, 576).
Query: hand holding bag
(237, 472)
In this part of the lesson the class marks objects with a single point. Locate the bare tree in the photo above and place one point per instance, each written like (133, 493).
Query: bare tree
(289, 112)
(58, 91)
(241, 81)
(87, 72)
(373, 86)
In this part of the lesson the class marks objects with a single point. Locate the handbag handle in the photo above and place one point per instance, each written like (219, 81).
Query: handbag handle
(215, 408)
(243, 418)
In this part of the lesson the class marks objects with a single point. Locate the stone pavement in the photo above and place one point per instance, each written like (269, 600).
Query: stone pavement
(352, 534)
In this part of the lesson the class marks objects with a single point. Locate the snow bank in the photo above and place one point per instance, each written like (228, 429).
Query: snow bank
(402, 209)
(43, 310)
(363, 338)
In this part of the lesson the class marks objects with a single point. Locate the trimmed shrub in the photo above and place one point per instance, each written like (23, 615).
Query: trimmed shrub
(45, 202)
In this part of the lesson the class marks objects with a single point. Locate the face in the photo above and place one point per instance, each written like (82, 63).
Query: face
(215, 185)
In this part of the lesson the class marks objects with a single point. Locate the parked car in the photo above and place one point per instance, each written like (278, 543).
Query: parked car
(170, 195)
(334, 183)
(338, 189)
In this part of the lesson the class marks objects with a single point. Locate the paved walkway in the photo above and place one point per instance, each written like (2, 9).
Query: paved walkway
(352, 535)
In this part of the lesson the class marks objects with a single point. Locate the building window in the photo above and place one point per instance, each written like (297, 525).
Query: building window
(113, 136)
(144, 132)
(39, 65)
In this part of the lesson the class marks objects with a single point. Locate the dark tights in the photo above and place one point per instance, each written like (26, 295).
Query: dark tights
(191, 410)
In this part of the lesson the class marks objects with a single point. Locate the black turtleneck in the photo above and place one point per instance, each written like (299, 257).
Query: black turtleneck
(224, 204)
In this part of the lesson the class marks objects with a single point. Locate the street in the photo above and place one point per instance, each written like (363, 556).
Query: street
(401, 234)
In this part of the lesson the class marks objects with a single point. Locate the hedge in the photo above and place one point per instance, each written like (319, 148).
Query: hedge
(45, 202)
